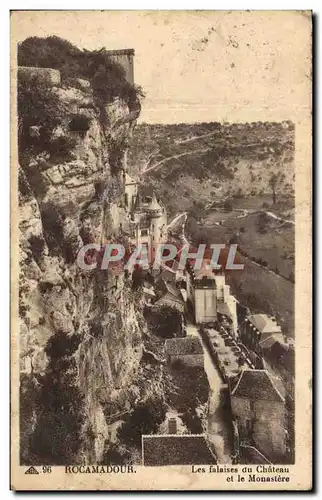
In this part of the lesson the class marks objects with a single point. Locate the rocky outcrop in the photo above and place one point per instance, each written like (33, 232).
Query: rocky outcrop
(66, 201)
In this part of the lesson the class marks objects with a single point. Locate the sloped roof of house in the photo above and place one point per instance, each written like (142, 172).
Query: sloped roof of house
(176, 450)
(264, 323)
(268, 340)
(170, 300)
(154, 205)
(255, 384)
(222, 308)
(183, 346)
(278, 350)
(164, 286)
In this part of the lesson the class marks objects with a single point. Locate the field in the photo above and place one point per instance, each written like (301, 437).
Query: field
(260, 237)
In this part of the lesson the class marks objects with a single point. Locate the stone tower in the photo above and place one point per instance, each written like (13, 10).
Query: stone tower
(124, 57)
(158, 222)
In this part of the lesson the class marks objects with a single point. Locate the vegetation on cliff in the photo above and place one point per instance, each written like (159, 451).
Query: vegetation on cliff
(107, 78)
(59, 406)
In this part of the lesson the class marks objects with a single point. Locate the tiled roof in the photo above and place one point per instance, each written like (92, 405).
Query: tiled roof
(171, 301)
(264, 323)
(183, 346)
(255, 384)
(278, 350)
(268, 340)
(176, 450)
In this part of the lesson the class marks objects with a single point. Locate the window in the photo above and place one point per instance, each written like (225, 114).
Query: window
(144, 232)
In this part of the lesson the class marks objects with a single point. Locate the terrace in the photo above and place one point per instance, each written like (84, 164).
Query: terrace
(229, 355)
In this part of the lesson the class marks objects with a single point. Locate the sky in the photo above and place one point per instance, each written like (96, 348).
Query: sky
(200, 65)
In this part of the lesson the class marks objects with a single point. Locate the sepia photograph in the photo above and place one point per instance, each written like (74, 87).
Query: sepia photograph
(161, 187)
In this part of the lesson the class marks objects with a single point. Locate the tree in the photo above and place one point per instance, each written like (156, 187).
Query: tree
(38, 106)
(262, 222)
(192, 421)
(114, 455)
(56, 438)
(228, 206)
(165, 322)
(273, 183)
(144, 419)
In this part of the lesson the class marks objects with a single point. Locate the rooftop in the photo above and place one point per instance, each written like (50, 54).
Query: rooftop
(255, 384)
(176, 450)
(183, 346)
(264, 323)
(269, 340)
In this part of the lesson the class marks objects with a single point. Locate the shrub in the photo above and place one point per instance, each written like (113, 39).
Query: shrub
(61, 345)
(79, 123)
(56, 439)
(192, 421)
(228, 206)
(23, 184)
(145, 419)
(53, 221)
(36, 244)
(37, 105)
(114, 455)
(61, 147)
(107, 78)
(165, 322)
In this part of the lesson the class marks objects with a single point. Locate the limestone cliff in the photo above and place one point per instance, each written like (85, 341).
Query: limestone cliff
(66, 201)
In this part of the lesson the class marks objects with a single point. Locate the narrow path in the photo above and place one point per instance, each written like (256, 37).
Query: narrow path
(162, 162)
(176, 219)
(149, 158)
(274, 216)
(195, 138)
(219, 432)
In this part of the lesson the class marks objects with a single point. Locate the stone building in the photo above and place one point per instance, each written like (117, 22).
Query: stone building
(169, 295)
(205, 296)
(259, 331)
(124, 57)
(130, 192)
(187, 350)
(259, 410)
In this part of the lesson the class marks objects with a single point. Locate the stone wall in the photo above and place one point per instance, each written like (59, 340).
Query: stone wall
(268, 418)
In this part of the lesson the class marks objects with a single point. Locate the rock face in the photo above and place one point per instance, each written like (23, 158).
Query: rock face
(65, 204)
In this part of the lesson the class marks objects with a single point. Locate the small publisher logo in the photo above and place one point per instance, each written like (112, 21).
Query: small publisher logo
(31, 470)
